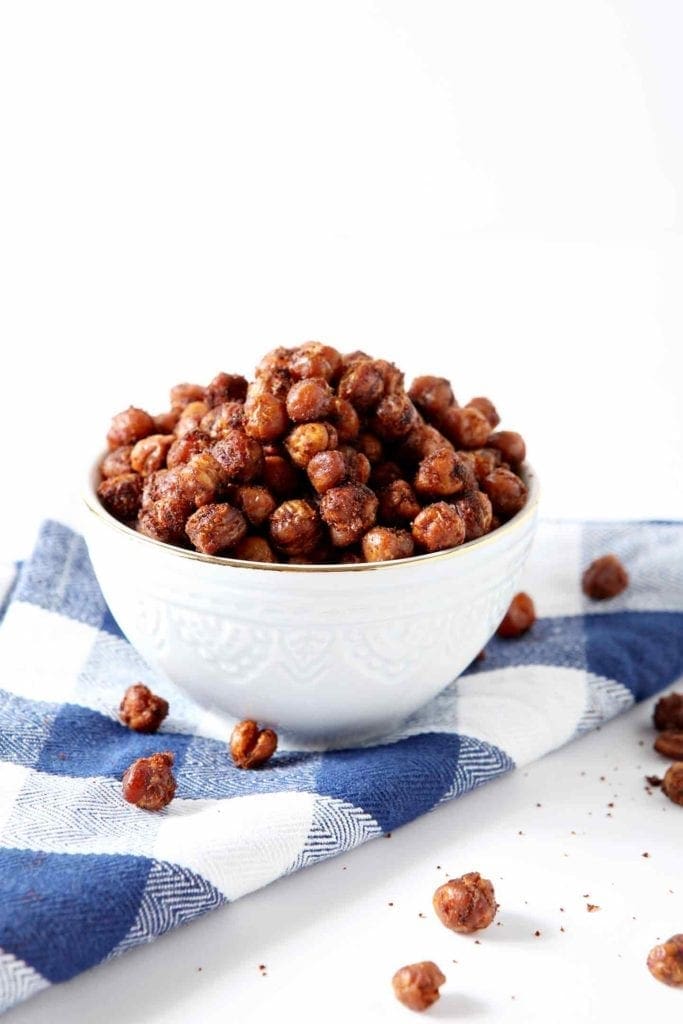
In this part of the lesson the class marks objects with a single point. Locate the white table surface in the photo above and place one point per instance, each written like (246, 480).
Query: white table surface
(567, 831)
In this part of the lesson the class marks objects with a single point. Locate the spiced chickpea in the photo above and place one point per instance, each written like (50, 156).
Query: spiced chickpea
(309, 399)
(357, 465)
(313, 359)
(519, 618)
(274, 361)
(165, 519)
(222, 418)
(386, 543)
(417, 985)
(432, 395)
(349, 511)
(256, 502)
(438, 527)
(484, 461)
(240, 456)
(307, 440)
(422, 440)
(295, 527)
(191, 418)
(397, 503)
(280, 476)
(345, 419)
(183, 448)
(182, 394)
(486, 406)
(326, 470)
(117, 461)
(391, 375)
(215, 528)
(121, 495)
(510, 445)
(201, 479)
(265, 417)
(166, 422)
(466, 904)
(476, 512)
(149, 454)
(362, 384)
(442, 474)
(370, 446)
(159, 485)
(149, 782)
(465, 426)
(226, 387)
(507, 492)
(384, 473)
(130, 426)
(254, 549)
(394, 417)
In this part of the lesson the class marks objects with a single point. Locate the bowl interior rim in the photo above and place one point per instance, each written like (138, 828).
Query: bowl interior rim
(94, 507)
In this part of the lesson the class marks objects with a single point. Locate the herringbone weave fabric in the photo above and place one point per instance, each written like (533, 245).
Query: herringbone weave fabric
(84, 876)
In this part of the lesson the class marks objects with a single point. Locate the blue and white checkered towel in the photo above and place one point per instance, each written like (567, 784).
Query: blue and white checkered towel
(85, 876)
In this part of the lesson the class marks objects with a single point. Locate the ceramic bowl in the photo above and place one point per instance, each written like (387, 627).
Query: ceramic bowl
(325, 653)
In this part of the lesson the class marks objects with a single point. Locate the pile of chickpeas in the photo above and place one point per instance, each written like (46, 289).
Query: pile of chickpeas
(322, 458)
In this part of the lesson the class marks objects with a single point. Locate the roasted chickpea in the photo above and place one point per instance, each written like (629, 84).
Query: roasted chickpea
(257, 503)
(129, 426)
(326, 470)
(357, 465)
(510, 445)
(519, 618)
(226, 387)
(422, 440)
(486, 406)
(484, 461)
(432, 395)
(384, 544)
(370, 446)
(280, 476)
(309, 399)
(508, 493)
(150, 453)
(307, 440)
(345, 419)
(466, 427)
(466, 904)
(265, 416)
(165, 519)
(182, 394)
(417, 985)
(166, 422)
(391, 375)
(201, 479)
(183, 448)
(475, 509)
(222, 418)
(437, 527)
(397, 503)
(254, 549)
(349, 512)
(240, 456)
(383, 474)
(121, 495)
(394, 417)
(159, 485)
(314, 360)
(215, 528)
(117, 461)
(275, 361)
(191, 418)
(443, 474)
(362, 384)
(295, 528)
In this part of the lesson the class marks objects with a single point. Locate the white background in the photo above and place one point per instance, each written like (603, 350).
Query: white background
(489, 190)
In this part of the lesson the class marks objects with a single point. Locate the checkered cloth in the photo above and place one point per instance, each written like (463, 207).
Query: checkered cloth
(85, 876)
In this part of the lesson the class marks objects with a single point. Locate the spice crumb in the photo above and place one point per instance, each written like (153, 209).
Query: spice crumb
(592, 907)
(645, 854)
(653, 780)
(537, 933)
(477, 942)
(561, 928)
(387, 835)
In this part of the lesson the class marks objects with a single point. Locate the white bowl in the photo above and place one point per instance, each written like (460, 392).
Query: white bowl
(326, 652)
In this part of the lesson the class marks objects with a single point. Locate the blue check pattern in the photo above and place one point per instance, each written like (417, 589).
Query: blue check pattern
(85, 876)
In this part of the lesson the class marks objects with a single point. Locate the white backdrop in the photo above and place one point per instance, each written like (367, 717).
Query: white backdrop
(489, 190)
